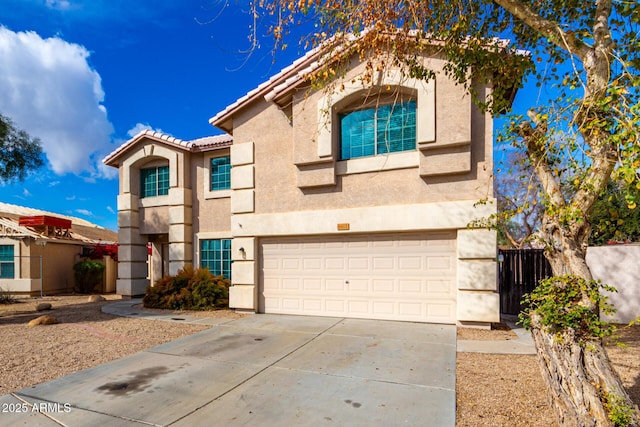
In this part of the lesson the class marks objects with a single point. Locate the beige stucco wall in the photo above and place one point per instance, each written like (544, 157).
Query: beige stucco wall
(276, 182)
(154, 219)
(57, 267)
(141, 220)
(174, 220)
(617, 265)
(211, 210)
(147, 153)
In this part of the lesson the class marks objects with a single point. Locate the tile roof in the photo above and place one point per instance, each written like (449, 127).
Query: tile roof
(210, 142)
(200, 144)
(81, 230)
(287, 76)
(7, 208)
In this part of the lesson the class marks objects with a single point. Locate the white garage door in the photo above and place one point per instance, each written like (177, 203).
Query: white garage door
(395, 277)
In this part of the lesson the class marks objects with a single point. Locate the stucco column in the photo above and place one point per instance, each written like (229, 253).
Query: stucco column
(477, 296)
(244, 292)
(132, 251)
(180, 229)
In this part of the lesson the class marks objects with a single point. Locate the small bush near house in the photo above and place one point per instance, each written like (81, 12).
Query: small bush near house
(87, 275)
(190, 289)
(6, 297)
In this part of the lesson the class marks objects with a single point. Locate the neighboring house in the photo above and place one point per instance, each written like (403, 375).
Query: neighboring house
(38, 250)
(350, 204)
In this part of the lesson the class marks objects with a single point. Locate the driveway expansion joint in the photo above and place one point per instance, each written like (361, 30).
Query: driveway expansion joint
(260, 371)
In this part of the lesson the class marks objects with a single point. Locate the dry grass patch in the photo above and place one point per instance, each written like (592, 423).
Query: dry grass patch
(508, 390)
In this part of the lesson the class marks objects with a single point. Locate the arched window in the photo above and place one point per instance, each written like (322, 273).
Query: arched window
(376, 121)
(380, 129)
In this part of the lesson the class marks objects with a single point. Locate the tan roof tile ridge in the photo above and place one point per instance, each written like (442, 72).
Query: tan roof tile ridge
(198, 144)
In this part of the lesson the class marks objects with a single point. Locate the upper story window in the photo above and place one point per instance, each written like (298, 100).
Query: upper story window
(378, 130)
(7, 262)
(220, 173)
(154, 181)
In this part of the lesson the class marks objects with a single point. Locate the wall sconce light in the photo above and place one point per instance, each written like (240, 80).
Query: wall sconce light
(241, 250)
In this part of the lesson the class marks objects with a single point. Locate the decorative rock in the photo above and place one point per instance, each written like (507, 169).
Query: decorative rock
(43, 320)
(96, 298)
(43, 306)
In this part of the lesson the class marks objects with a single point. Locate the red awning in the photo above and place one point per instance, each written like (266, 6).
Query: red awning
(44, 221)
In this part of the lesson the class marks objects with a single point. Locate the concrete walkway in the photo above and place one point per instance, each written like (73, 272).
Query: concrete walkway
(126, 308)
(259, 370)
(523, 344)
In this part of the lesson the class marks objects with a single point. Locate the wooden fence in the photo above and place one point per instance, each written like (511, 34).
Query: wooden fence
(520, 272)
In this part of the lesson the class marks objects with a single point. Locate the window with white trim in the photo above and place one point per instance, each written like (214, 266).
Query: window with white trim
(220, 173)
(381, 129)
(215, 255)
(154, 181)
(7, 262)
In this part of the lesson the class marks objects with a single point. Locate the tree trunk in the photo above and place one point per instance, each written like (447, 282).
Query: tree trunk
(579, 375)
(579, 378)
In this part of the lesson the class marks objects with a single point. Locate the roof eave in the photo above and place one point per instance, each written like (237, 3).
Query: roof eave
(224, 123)
(111, 158)
(223, 120)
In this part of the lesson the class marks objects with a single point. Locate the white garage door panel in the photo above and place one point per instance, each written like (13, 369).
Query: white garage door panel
(395, 277)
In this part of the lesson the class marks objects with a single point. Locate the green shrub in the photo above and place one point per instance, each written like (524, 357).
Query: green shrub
(87, 275)
(190, 289)
(6, 297)
(560, 303)
(620, 414)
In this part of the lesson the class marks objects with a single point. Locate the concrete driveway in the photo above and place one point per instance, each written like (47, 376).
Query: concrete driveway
(262, 370)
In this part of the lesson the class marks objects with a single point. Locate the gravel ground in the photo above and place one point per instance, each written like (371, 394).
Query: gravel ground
(496, 390)
(508, 390)
(85, 337)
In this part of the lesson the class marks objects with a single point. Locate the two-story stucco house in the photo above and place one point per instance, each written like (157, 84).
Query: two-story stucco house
(349, 203)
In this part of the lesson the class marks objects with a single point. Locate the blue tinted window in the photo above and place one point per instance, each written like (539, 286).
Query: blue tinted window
(154, 181)
(380, 130)
(215, 255)
(220, 173)
(7, 262)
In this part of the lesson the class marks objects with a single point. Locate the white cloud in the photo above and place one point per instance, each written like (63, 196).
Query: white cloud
(26, 193)
(110, 209)
(104, 171)
(139, 127)
(54, 183)
(50, 91)
(84, 212)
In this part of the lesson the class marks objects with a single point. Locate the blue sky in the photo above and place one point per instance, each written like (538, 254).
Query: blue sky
(86, 75)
